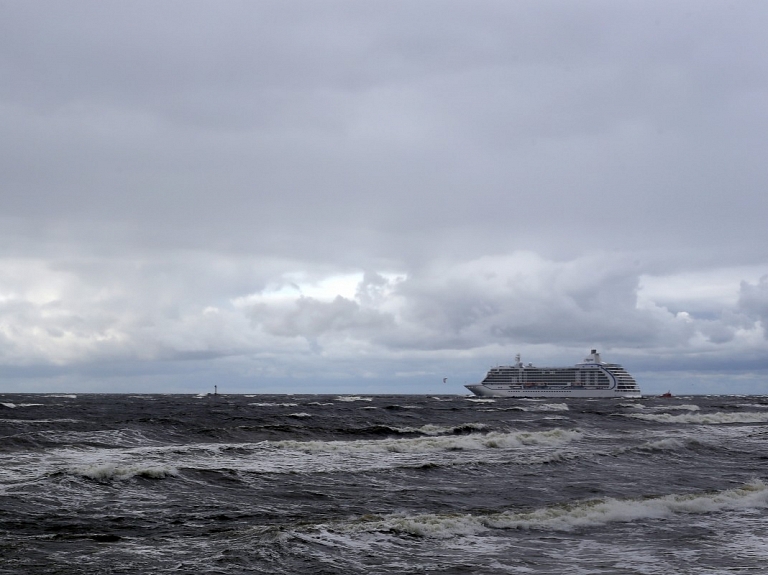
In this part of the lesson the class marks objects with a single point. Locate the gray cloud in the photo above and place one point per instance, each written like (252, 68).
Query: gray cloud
(753, 301)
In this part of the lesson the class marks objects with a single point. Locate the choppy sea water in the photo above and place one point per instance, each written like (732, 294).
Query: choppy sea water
(383, 484)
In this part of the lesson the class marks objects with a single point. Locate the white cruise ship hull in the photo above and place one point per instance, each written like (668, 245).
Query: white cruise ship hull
(590, 378)
(481, 390)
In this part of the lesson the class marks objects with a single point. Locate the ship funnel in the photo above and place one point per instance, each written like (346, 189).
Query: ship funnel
(593, 357)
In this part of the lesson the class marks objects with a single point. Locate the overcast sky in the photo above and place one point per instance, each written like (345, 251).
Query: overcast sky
(346, 196)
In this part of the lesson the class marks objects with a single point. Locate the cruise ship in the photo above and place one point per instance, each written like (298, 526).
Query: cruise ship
(590, 378)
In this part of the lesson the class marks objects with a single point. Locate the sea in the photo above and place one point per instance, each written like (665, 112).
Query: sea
(382, 484)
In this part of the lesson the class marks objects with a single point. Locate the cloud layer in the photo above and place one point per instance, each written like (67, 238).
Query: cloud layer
(388, 190)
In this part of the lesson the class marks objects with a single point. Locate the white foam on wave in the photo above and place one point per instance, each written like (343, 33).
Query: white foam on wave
(550, 407)
(116, 472)
(14, 406)
(480, 400)
(65, 396)
(691, 407)
(665, 408)
(601, 512)
(350, 398)
(268, 404)
(668, 444)
(432, 429)
(702, 418)
(300, 414)
(473, 441)
(564, 518)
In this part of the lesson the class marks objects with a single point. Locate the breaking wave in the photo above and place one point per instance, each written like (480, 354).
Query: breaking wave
(702, 418)
(669, 444)
(649, 408)
(473, 441)
(114, 472)
(274, 404)
(431, 429)
(580, 515)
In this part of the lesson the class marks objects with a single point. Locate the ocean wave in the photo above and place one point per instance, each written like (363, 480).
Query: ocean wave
(665, 444)
(267, 404)
(691, 407)
(564, 518)
(668, 444)
(113, 472)
(473, 441)
(550, 407)
(538, 407)
(702, 418)
(350, 398)
(39, 421)
(432, 429)
(398, 407)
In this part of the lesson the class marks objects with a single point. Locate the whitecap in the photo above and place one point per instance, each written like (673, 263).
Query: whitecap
(432, 429)
(691, 407)
(702, 418)
(471, 442)
(580, 515)
(113, 471)
(550, 407)
(274, 404)
(668, 444)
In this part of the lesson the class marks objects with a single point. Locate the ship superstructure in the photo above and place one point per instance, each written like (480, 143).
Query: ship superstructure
(590, 378)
